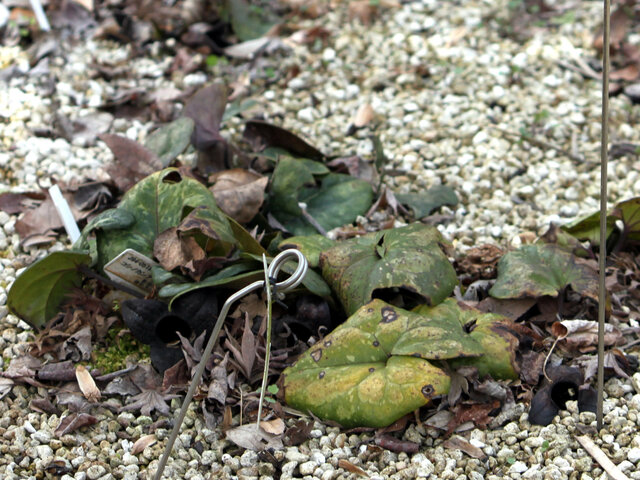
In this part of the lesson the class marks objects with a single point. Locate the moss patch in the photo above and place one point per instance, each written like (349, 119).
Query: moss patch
(111, 355)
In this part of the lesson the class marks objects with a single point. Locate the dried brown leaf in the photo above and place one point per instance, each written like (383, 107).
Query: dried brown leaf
(396, 445)
(275, 426)
(364, 115)
(73, 422)
(253, 438)
(239, 193)
(351, 468)
(87, 385)
(142, 443)
(132, 161)
(248, 346)
(459, 443)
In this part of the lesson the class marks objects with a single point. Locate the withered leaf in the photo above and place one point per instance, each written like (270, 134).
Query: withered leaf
(6, 384)
(394, 444)
(459, 443)
(142, 443)
(239, 193)
(252, 438)
(13, 203)
(351, 468)
(132, 161)
(206, 108)
(219, 387)
(275, 426)
(73, 422)
(148, 401)
(248, 347)
(261, 135)
(87, 385)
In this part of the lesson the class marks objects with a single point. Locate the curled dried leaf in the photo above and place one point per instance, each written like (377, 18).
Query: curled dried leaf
(142, 443)
(87, 385)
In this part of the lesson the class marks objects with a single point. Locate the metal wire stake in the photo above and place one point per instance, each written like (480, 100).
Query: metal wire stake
(293, 281)
(602, 261)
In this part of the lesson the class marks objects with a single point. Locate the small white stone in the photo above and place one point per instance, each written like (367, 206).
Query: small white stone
(411, 107)
(518, 467)
(328, 55)
(633, 455)
(307, 114)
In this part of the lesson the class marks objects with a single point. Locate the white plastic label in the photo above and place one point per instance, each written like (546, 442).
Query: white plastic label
(131, 269)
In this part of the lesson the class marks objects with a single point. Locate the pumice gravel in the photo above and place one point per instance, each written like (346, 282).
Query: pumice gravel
(444, 85)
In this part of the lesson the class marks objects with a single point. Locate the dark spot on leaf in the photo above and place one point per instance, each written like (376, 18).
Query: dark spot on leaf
(172, 177)
(388, 314)
(416, 354)
(327, 343)
(369, 310)
(167, 328)
(321, 375)
(427, 391)
(469, 326)
(376, 343)
(317, 354)
(403, 296)
(371, 370)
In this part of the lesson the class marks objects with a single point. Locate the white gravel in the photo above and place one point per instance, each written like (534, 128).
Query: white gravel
(444, 85)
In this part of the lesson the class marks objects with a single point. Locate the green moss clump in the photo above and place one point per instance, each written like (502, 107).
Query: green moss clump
(111, 355)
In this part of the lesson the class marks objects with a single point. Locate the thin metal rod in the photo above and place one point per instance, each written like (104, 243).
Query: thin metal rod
(267, 347)
(604, 144)
(285, 285)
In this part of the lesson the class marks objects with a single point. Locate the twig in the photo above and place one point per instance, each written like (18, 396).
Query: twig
(583, 68)
(267, 352)
(544, 365)
(602, 260)
(541, 144)
(599, 456)
(314, 223)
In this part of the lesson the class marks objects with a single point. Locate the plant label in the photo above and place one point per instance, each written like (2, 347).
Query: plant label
(131, 269)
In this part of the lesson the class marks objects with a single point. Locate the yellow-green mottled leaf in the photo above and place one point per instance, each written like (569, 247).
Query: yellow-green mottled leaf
(381, 356)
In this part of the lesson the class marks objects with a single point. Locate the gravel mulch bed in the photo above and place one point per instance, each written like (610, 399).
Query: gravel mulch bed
(450, 94)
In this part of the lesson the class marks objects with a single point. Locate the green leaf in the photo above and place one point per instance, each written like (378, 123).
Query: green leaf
(170, 140)
(336, 201)
(246, 242)
(37, 293)
(587, 228)
(311, 246)
(375, 368)
(249, 21)
(423, 203)
(158, 202)
(312, 281)
(629, 212)
(407, 261)
(237, 275)
(537, 270)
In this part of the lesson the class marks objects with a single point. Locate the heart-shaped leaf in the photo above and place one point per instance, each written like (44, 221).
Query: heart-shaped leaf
(376, 367)
(425, 202)
(337, 199)
(170, 140)
(588, 227)
(157, 203)
(37, 293)
(629, 212)
(311, 246)
(542, 269)
(407, 261)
